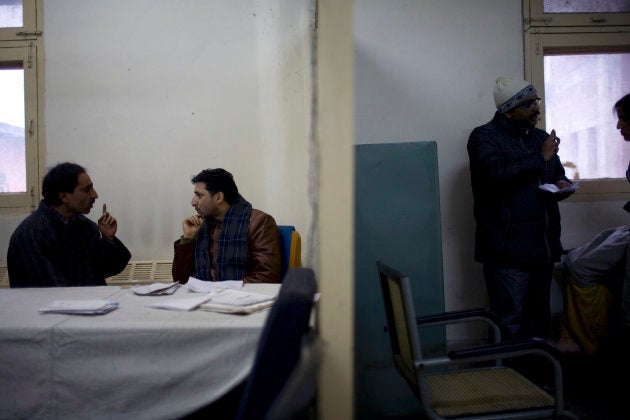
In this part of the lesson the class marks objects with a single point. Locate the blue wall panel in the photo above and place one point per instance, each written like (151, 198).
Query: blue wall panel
(397, 220)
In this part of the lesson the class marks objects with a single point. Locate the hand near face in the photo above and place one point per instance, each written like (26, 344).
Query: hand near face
(191, 226)
(550, 146)
(107, 224)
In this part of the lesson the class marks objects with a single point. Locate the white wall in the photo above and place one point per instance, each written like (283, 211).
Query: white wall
(147, 93)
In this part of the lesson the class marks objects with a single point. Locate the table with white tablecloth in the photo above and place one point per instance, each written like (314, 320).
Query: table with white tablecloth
(134, 362)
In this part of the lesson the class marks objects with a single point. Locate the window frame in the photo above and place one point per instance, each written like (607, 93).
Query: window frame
(31, 24)
(25, 45)
(535, 16)
(574, 33)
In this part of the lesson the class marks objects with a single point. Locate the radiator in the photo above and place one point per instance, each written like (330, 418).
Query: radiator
(4, 276)
(135, 273)
(143, 272)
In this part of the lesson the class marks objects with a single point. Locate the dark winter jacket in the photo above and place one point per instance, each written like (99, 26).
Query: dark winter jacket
(517, 223)
(46, 251)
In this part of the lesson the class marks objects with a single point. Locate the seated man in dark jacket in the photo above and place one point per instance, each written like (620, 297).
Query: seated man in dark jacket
(518, 225)
(57, 245)
(227, 239)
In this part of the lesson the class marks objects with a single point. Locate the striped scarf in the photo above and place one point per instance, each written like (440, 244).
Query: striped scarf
(232, 254)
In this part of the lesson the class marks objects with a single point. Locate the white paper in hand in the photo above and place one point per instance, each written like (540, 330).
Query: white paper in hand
(552, 188)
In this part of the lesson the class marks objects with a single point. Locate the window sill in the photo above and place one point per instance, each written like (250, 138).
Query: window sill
(602, 190)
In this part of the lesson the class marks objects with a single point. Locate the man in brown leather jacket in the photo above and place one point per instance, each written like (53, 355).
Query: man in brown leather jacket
(227, 239)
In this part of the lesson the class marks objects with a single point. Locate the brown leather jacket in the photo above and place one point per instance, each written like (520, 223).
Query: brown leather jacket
(263, 259)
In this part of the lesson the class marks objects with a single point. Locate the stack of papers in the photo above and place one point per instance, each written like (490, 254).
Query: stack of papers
(79, 307)
(218, 300)
(237, 302)
(203, 286)
(156, 289)
(182, 304)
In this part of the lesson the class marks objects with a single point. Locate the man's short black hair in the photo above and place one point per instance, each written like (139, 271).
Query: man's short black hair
(63, 177)
(218, 180)
(624, 105)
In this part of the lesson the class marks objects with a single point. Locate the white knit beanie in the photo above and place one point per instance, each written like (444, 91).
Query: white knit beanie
(508, 93)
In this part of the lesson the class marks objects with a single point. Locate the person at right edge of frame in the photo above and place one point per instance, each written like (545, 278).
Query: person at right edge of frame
(517, 236)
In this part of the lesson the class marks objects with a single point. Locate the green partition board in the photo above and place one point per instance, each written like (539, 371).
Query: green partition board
(397, 220)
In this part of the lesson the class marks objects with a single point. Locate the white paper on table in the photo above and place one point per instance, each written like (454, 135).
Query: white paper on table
(156, 289)
(232, 297)
(237, 302)
(202, 286)
(80, 307)
(182, 304)
(228, 309)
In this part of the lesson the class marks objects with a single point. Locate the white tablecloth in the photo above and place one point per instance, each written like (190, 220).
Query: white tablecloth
(134, 362)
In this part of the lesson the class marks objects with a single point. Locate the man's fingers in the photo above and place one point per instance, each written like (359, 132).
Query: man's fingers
(104, 208)
(193, 220)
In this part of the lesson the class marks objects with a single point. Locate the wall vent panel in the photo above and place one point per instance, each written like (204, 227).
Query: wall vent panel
(135, 273)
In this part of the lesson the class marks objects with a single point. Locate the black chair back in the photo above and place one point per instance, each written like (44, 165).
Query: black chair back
(280, 343)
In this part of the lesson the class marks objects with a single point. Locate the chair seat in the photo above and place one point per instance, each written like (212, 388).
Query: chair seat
(482, 391)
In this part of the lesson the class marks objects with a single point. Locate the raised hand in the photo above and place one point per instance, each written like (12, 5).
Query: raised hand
(107, 224)
(191, 226)
(550, 146)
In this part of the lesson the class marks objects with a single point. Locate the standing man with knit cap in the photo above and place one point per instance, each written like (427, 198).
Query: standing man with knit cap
(517, 238)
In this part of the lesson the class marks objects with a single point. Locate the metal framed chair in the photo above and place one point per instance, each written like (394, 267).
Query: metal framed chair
(470, 383)
(291, 243)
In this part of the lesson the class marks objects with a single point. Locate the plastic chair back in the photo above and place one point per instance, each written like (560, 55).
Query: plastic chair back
(291, 248)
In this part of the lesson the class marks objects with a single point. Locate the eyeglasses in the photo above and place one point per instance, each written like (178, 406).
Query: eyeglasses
(531, 103)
